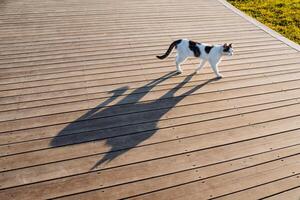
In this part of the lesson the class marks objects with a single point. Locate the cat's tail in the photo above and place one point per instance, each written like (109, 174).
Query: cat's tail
(174, 44)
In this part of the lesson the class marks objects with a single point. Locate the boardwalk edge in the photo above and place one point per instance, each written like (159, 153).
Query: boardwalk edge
(261, 26)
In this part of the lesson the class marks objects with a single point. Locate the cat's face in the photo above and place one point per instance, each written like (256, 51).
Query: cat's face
(227, 50)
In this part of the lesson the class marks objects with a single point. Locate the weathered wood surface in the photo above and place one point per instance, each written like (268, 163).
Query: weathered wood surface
(88, 112)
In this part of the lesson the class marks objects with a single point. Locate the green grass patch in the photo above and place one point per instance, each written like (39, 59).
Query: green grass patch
(282, 16)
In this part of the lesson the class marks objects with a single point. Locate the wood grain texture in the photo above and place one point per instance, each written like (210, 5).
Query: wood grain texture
(88, 112)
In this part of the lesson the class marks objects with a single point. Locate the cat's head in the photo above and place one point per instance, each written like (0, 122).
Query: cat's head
(227, 50)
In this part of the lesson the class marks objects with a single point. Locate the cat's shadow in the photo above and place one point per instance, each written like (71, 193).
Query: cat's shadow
(136, 121)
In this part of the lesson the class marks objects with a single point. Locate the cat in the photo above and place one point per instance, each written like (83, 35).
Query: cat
(187, 48)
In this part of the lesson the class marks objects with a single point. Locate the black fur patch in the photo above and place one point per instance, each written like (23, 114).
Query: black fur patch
(177, 42)
(193, 47)
(226, 49)
(208, 48)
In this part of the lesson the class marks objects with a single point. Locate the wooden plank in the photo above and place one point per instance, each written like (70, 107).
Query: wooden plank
(147, 152)
(230, 182)
(84, 100)
(98, 73)
(110, 70)
(136, 56)
(41, 132)
(293, 194)
(132, 36)
(200, 174)
(91, 90)
(13, 50)
(122, 41)
(31, 122)
(95, 84)
(67, 29)
(263, 45)
(38, 133)
(169, 67)
(146, 116)
(243, 50)
(261, 191)
(31, 47)
(198, 163)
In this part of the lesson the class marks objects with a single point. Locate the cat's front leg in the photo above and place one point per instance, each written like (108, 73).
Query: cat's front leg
(200, 66)
(216, 70)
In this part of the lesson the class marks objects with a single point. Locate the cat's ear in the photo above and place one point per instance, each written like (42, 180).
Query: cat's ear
(230, 45)
(225, 45)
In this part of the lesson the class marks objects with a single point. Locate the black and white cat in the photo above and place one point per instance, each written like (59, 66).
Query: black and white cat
(187, 48)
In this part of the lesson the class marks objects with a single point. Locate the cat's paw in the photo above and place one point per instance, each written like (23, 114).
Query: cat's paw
(179, 71)
(219, 76)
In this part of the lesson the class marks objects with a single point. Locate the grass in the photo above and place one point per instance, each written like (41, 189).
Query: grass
(282, 16)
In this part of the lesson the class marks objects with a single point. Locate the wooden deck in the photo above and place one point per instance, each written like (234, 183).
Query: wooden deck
(88, 112)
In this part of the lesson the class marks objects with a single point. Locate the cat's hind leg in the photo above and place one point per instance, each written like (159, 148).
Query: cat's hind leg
(179, 59)
(201, 65)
